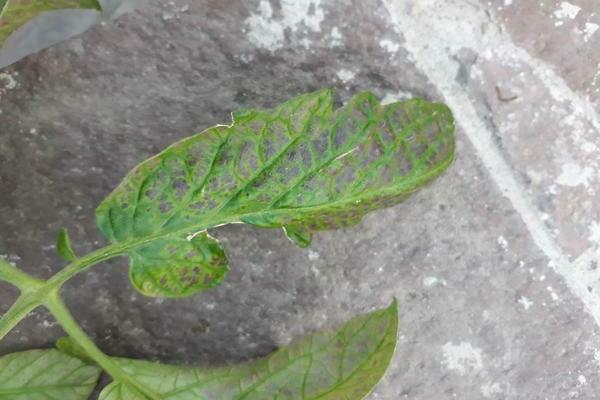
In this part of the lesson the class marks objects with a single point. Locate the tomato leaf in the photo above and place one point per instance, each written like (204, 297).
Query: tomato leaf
(301, 166)
(342, 363)
(177, 267)
(46, 374)
(16, 13)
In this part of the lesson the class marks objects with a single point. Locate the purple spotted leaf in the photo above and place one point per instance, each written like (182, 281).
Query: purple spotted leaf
(302, 166)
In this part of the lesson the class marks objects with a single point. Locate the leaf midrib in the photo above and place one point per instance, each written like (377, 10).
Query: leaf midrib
(130, 244)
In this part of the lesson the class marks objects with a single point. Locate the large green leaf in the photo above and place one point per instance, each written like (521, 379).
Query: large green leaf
(345, 363)
(16, 13)
(46, 374)
(301, 166)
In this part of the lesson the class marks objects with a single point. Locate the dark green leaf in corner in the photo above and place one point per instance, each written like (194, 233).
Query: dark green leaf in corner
(302, 166)
(345, 363)
(46, 374)
(16, 13)
(63, 246)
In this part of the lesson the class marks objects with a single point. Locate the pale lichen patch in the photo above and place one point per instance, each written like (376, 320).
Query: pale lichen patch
(462, 358)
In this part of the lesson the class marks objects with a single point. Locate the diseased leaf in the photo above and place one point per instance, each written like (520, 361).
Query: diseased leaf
(16, 13)
(301, 166)
(343, 363)
(63, 245)
(175, 267)
(46, 374)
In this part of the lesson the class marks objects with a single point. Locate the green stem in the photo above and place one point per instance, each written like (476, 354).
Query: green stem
(34, 292)
(19, 310)
(85, 262)
(56, 306)
(16, 277)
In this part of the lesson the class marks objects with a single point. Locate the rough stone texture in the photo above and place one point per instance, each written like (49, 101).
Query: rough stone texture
(569, 39)
(546, 130)
(484, 314)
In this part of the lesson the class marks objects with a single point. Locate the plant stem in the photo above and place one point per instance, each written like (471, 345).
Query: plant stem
(83, 263)
(56, 306)
(26, 302)
(19, 310)
(35, 292)
(16, 277)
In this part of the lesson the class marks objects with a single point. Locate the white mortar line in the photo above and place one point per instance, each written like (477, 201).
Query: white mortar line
(429, 38)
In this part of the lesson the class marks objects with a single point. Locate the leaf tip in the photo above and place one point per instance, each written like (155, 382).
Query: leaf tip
(63, 246)
(302, 237)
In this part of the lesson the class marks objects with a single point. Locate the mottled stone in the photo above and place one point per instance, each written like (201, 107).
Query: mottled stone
(565, 34)
(483, 315)
(546, 131)
(552, 147)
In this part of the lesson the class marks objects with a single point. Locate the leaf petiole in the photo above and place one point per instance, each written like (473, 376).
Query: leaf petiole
(63, 316)
(16, 277)
(35, 292)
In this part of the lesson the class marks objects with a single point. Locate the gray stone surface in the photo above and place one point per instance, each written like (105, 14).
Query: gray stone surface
(483, 313)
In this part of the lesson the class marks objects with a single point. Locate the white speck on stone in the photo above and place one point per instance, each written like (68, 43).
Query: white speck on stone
(490, 389)
(48, 324)
(502, 242)
(400, 95)
(336, 37)
(594, 230)
(567, 10)
(267, 32)
(345, 75)
(553, 293)
(573, 175)
(525, 302)
(389, 46)
(313, 255)
(544, 216)
(581, 379)
(508, 3)
(462, 358)
(305, 42)
(589, 30)
(588, 147)
(264, 32)
(8, 81)
(430, 281)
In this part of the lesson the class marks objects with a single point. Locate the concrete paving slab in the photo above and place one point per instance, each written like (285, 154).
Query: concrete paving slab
(485, 311)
